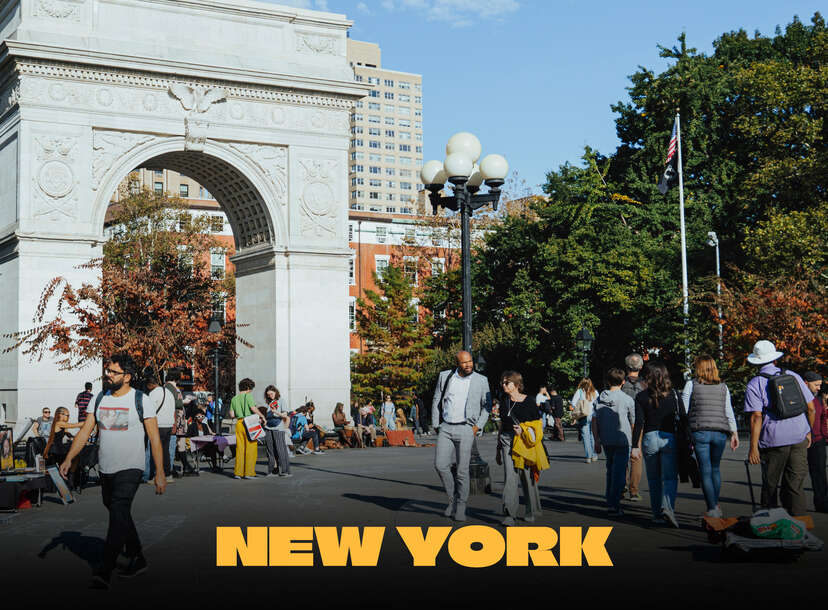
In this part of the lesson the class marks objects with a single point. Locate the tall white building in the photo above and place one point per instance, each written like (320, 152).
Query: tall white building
(386, 151)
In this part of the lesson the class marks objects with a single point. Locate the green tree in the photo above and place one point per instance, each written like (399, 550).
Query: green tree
(396, 340)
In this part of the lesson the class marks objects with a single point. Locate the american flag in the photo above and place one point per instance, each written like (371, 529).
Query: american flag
(671, 149)
(670, 175)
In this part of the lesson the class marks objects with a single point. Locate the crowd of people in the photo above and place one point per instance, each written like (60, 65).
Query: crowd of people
(639, 421)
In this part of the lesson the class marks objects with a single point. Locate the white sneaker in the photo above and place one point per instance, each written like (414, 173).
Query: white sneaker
(594, 458)
(716, 513)
(670, 517)
(508, 521)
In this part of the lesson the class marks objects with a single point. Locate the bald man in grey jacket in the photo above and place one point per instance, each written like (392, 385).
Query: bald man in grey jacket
(461, 406)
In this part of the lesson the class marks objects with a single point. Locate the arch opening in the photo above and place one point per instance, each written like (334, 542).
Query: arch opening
(239, 199)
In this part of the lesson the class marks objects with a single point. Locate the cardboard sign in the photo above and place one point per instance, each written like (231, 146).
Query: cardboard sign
(60, 485)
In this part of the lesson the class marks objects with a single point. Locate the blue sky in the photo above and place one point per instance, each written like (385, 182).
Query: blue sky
(535, 79)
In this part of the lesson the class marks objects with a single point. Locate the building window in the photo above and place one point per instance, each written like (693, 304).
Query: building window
(405, 147)
(357, 156)
(159, 188)
(217, 257)
(405, 85)
(389, 95)
(373, 80)
(390, 184)
(373, 118)
(415, 317)
(356, 130)
(350, 232)
(405, 210)
(389, 146)
(405, 122)
(374, 169)
(216, 224)
(404, 98)
(373, 144)
(356, 117)
(389, 171)
(373, 106)
(389, 133)
(405, 160)
(392, 197)
(389, 120)
(405, 135)
(159, 173)
(185, 258)
(356, 206)
(352, 314)
(390, 209)
(373, 195)
(374, 93)
(374, 182)
(134, 187)
(373, 131)
(183, 221)
(358, 103)
(410, 234)
(406, 186)
(183, 190)
(375, 208)
(381, 234)
(219, 301)
(404, 110)
(375, 157)
(438, 266)
(388, 83)
(357, 142)
(352, 270)
(390, 159)
(381, 264)
(357, 168)
(410, 269)
(405, 173)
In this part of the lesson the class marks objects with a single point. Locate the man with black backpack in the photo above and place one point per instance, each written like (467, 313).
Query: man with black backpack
(782, 411)
(123, 415)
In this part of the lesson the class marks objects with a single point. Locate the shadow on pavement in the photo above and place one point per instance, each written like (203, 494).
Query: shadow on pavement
(87, 548)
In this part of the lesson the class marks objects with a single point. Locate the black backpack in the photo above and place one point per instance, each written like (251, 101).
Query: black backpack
(786, 397)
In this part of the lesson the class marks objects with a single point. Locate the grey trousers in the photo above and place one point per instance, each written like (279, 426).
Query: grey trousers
(790, 464)
(511, 475)
(276, 451)
(454, 443)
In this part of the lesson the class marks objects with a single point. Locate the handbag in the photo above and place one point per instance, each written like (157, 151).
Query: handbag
(688, 466)
(253, 426)
(583, 408)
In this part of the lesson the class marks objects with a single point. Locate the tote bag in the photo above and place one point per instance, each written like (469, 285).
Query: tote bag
(253, 426)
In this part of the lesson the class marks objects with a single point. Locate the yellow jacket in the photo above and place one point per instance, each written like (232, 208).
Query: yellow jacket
(528, 453)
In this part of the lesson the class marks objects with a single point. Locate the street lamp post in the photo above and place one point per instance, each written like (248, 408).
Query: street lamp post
(215, 327)
(584, 341)
(461, 170)
(713, 242)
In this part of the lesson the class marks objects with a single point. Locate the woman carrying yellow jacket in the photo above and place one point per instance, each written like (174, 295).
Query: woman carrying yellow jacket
(520, 449)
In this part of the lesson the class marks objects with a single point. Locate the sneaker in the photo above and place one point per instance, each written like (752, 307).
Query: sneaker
(670, 518)
(716, 513)
(285, 474)
(100, 580)
(169, 481)
(588, 460)
(636, 497)
(137, 565)
(460, 512)
(594, 458)
(508, 522)
(271, 474)
(449, 509)
(235, 476)
(529, 518)
(253, 477)
(318, 452)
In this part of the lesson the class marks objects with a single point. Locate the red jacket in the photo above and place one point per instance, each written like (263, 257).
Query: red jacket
(819, 431)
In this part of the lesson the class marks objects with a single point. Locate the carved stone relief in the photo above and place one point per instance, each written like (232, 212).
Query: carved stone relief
(55, 192)
(196, 101)
(272, 161)
(108, 147)
(316, 44)
(68, 10)
(318, 201)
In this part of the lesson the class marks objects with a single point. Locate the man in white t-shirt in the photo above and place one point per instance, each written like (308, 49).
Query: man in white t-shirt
(122, 417)
(541, 397)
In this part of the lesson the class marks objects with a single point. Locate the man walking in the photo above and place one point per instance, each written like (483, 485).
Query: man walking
(82, 401)
(819, 435)
(633, 384)
(164, 416)
(461, 406)
(541, 398)
(123, 416)
(779, 444)
(557, 408)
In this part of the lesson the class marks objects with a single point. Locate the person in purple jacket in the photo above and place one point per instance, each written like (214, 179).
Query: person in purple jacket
(780, 445)
(819, 435)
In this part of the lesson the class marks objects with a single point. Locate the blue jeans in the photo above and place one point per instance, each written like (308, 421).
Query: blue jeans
(710, 445)
(659, 449)
(585, 424)
(618, 456)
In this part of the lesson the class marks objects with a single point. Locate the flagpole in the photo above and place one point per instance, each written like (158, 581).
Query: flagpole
(684, 289)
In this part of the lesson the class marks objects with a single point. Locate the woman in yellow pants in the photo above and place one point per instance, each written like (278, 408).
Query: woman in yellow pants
(243, 405)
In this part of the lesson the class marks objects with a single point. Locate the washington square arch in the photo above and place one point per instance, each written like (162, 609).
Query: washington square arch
(252, 100)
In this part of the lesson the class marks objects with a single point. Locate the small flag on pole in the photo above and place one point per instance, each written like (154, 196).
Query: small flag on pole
(670, 176)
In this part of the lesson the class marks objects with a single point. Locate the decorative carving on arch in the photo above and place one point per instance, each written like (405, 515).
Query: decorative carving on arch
(70, 10)
(316, 44)
(108, 147)
(272, 161)
(317, 201)
(55, 192)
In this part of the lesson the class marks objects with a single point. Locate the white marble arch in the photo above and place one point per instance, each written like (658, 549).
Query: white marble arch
(254, 105)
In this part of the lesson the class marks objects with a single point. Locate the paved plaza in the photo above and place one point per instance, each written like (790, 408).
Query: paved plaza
(54, 546)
